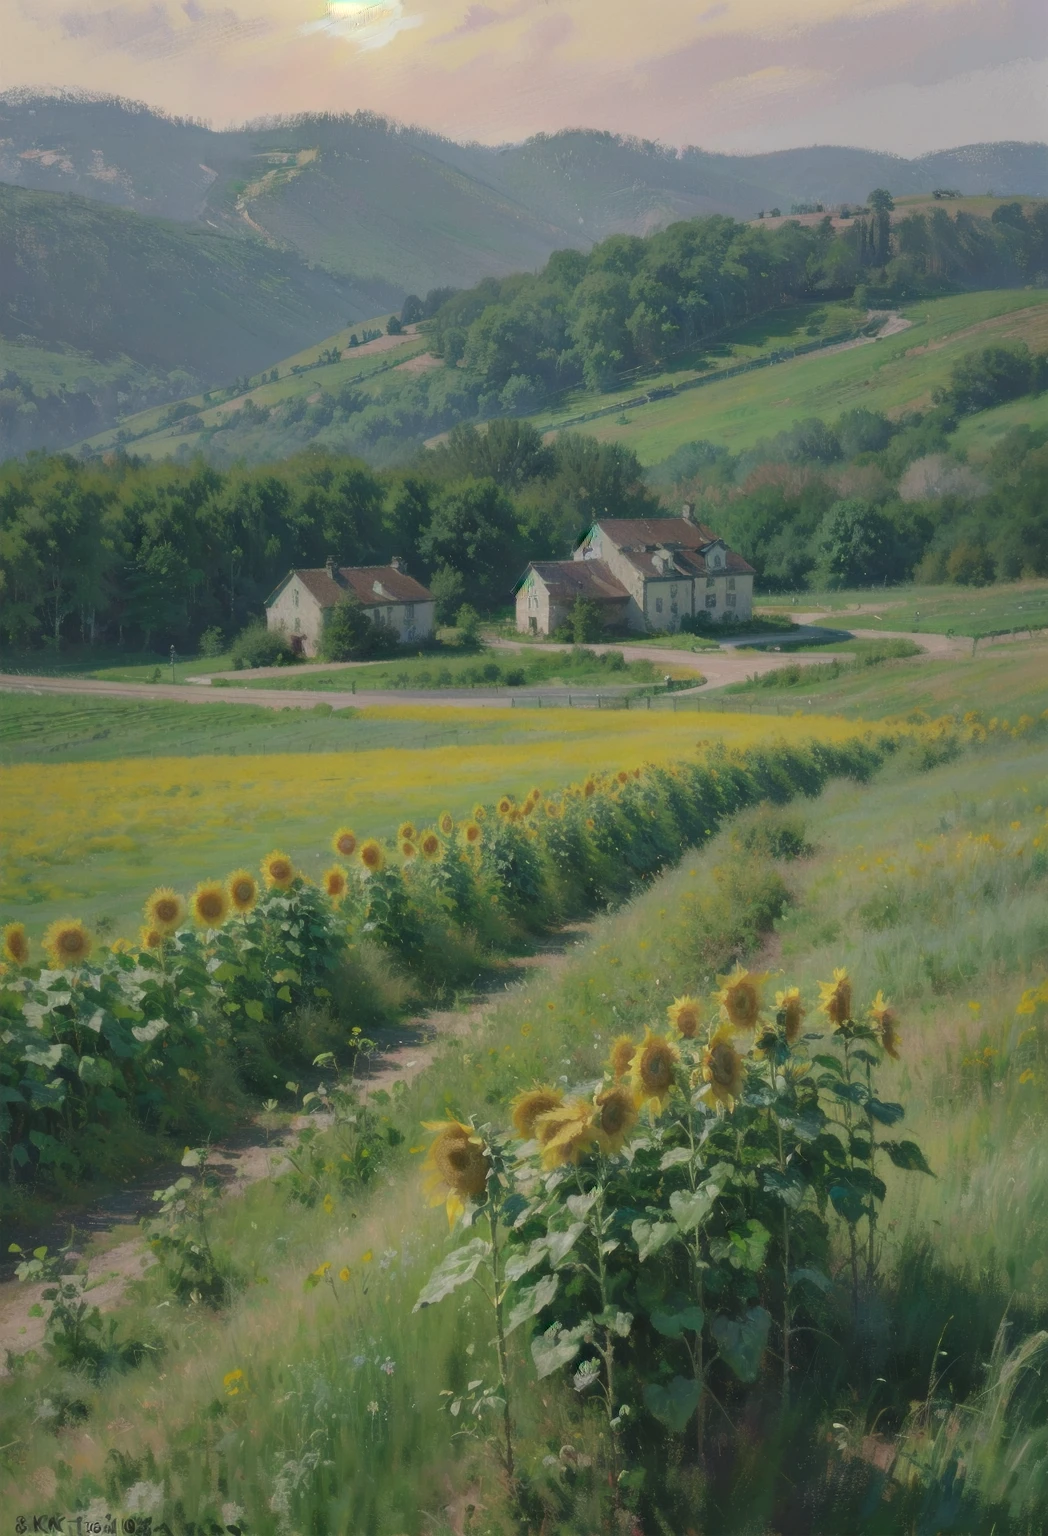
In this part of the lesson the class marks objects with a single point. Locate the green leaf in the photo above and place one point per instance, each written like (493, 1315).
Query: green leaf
(741, 1341)
(254, 1010)
(690, 1208)
(651, 1236)
(887, 1114)
(674, 1156)
(673, 1324)
(519, 1263)
(531, 1300)
(284, 994)
(831, 1064)
(95, 1070)
(560, 1244)
(848, 1203)
(147, 1032)
(789, 1187)
(853, 1093)
(457, 1269)
(673, 1405)
(748, 1247)
(908, 1155)
(814, 1277)
(557, 1347)
(225, 971)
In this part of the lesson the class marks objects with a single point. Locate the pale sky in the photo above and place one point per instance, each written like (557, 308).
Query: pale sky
(901, 75)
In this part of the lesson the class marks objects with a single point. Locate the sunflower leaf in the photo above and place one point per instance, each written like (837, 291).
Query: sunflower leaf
(908, 1155)
(673, 1324)
(673, 1405)
(556, 1348)
(741, 1341)
(690, 1208)
(560, 1244)
(887, 1114)
(674, 1156)
(530, 1258)
(650, 1236)
(457, 1269)
(531, 1300)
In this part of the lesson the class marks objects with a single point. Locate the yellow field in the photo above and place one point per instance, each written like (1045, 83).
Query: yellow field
(93, 838)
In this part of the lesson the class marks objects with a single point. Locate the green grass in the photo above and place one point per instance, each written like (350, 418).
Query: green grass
(937, 610)
(524, 670)
(110, 664)
(979, 435)
(897, 373)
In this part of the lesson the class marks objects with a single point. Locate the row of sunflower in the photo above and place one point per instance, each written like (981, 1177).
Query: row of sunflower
(684, 1231)
(265, 971)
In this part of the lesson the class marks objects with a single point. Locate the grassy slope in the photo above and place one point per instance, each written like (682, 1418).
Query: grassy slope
(896, 373)
(898, 892)
(936, 610)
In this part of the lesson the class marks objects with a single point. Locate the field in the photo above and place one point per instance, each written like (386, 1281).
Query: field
(529, 669)
(937, 610)
(897, 373)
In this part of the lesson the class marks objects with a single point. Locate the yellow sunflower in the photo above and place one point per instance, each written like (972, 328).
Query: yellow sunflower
(16, 945)
(335, 882)
(479, 813)
(471, 832)
(552, 810)
(165, 910)
(406, 832)
(431, 847)
(372, 856)
(887, 1022)
(344, 842)
(446, 823)
(789, 1004)
(622, 776)
(408, 849)
(623, 1051)
(278, 870)
(685, 1013)
(589, 788)
(741, 997)
(723, 1068)
(652, 1069)
(528, 1106)
(616, 1117)
(67, 943)
(566, 1132)
(150, 938)
(456, 1166)
(835, 998)
(210, 904)
(243, 890)
(504, 806)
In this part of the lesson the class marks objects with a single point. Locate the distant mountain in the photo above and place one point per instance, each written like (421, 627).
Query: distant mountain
(369, 199)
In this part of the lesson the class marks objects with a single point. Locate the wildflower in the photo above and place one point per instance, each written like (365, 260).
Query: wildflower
(471, 832)
(525, 1030)
(329, 1204)
(789, 1005)
(566, 1132)
(210, 904)
(835, 998)
(321, 1270)
(528, 1106)
(278, 870)
(67, 942)
(723, 1068)
(683, 1013)
(887, 1023)
(150, 938)
(365, 1258)
(372, 856)
(165, 910)
(120, 947)
(616, 1117)
(344, 1273)
(446, 823)
(1027, 1076)
(431, 847)
(344, 842)
(243, 890)
(16, 945)
(457, 1166)
(623, 1050)
(234, 1382)
(653, 1068)
(740, 997)
(408, 849)
(372, 1407)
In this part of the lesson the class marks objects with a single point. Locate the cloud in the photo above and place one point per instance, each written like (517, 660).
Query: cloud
(151, 32)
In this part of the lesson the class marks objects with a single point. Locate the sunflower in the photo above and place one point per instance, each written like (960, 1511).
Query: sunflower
(566, 1132)
(243, 890)
(16, 945)
(150, 938)
(723, 1068)
(684, 1014)
(652, 1069)
(622, 776)
(67, 942)
(479, 813)
(504, 806)
(210, 904)
(616, 1117)
(406, 832)
(431, 846)
(835, 998)
(446, 823)
(528, 1106)
(344, 842)
(623, 1051)
(740, 997)
(335, 882)
(164, 910)
(887, 1022)
(278, 870)
(589, 788)
(456, 1166)
(408, 849)
(552, 810)
(789, 1005)
(471, 832)
(372, 856)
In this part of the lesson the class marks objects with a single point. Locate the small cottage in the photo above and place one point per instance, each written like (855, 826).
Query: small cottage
(387, 592)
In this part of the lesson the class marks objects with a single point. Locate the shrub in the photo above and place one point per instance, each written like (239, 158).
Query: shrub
(212, 642)
(351, 634)
(260, 646)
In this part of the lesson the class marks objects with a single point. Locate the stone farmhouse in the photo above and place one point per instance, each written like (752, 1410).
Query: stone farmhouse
(387, 592)
(645, 573)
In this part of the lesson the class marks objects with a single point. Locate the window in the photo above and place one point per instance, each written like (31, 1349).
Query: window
(730, 599)
(410, 610)
(711, 581)
(731, 583)
(711, 600)
(658, 605)
(294, 596)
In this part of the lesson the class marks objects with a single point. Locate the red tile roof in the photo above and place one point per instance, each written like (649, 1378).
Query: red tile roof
(589, 579)
(639, 538)
(396, 586)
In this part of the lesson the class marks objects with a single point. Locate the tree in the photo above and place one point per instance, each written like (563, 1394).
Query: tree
(411, 310)
(474, 532)
(990, 377)
(394, 327)
(855, 544)
(350, 634)
(586, 621)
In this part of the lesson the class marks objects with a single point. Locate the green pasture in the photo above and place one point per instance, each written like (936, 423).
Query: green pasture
(937, 610)
(49, 369)
(977, 436)
(488, 669)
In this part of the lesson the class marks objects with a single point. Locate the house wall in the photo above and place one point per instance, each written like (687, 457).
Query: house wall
(533, 613)
(678, 597)
(412, 621)
(722, 589)
(594, 547)
(297, 612)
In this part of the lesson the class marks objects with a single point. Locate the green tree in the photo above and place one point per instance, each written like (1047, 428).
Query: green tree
(474, 532)
(586, 621)
(855, 544)
(350, 634)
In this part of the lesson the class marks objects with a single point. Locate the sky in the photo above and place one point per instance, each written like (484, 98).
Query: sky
(736, 75)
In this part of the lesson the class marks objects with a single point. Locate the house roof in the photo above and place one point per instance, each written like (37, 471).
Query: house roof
(373, 585)
(588, 579)
(641, 538)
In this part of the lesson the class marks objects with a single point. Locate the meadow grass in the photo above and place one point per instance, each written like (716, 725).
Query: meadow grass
(937, 610)
(445, 671)
(931, 886)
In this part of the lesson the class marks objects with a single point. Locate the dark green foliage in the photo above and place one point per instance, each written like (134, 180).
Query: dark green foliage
(259, 646)
(350, 633)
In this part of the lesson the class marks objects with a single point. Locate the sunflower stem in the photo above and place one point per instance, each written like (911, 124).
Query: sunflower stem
(500, 1340)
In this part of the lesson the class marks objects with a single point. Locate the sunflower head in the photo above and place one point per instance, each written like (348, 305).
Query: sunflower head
(505, 805)
(566, 1132)
(791, 1011)
(615, 1118)
(446, 823)
(887, 1022)
(243, 890)
(741, 997)
(456, 1167)
(210, 904)
(685, 1014)
(622, 777)
(16, 945)
(165, 909)
(471, 832)
(67, 943)
(528, 1106)
(835, 998)
(653, 1068)
(589, 788)
(408, 849)
(278, 871)
(723, 1069)
(479, 813)
(623, 1050)
(344, 842)
(552, 810)
(431, 847)
(406, 832)
(372, 855)
(150, 938)
(335, 882)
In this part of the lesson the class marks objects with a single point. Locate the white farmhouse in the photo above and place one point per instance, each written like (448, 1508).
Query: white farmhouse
(387, 592)
(646, 573)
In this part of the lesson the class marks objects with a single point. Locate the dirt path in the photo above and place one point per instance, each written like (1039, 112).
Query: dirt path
(714, 667)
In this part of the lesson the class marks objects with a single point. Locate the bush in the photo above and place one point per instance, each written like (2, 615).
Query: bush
(350, 634)
(260, 646)
(212, 642)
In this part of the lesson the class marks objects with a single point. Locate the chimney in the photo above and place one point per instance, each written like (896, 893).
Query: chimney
(329, 566)
(397, 563)
(688, 511)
